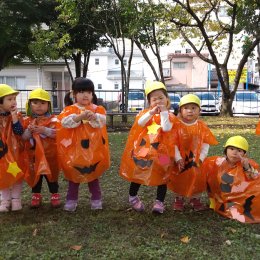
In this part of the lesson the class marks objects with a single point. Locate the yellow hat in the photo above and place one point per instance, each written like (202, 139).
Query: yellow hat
(238, 142)
(6, 90)
(41, 94)
(189, 98)
(153, 85)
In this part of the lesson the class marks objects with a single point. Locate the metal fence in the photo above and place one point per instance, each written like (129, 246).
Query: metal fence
(245, 102)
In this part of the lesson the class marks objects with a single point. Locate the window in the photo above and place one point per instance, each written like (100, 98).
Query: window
(178, 51)
(116, 61)
(125, 62)
(96, 61)
(99, 86)
(116, 86)
(179, 65)
(13, 81)
(188, 50)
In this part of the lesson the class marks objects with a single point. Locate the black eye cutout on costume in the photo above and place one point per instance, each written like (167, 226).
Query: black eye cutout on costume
(85, 143)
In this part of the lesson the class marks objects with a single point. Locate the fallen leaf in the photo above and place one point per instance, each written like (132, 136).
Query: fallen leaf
(35, 232)
(228, 242)
(76, 247)
(185, 239)
(163, 234)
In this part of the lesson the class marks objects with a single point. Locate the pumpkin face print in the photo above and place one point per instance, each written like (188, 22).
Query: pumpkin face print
(83, 151)
(3, 149)
(189, 162)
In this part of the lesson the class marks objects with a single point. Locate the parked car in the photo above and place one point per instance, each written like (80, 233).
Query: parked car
(209, 103)
(175, 100)
(246, 102)
(136, 101)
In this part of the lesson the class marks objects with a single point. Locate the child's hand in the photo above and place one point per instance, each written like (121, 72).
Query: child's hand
(162, 108)
(88, 115)
(14, 112)
(155, 110)
(38, 129)
(180, 164)
(244, 162)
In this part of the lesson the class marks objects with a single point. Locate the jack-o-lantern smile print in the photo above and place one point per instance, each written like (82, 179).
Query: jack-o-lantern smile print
(84, 151)
(148, 153)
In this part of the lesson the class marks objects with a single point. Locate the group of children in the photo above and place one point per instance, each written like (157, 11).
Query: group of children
(162, 150)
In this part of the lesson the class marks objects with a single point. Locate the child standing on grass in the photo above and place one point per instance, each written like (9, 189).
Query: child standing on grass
(11, 149)
(83, 143)
(41, 148)
(148, 153)
(234, 182)
(192, 138)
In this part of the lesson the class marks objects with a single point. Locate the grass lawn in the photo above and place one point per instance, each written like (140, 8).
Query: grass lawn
(117, 232)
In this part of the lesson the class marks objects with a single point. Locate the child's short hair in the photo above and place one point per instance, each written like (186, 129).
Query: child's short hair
(1, 100)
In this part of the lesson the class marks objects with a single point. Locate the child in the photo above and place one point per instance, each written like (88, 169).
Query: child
(40, 137)
(233, 182)
(192, 138)
(147, 155)
(11, 149)
(83, 143)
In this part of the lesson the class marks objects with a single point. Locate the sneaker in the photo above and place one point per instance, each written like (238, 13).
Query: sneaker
(55, 200)
(178, 204)
(197, 205)
(16, 204)
(36, 200)
(96, 204)
(5, 205)
(71, 205)
(158, 207)
(136, 203)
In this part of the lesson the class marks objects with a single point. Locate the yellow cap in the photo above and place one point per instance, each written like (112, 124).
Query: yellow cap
(6, 90)
(238, 142)
(41, 94)
(153, 85)
(189, 98)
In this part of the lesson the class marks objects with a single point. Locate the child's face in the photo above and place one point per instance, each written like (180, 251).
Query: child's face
(234, 154)
(157, 97)
(84, 98)
(39, 107)
(9, 103)
(190, 112)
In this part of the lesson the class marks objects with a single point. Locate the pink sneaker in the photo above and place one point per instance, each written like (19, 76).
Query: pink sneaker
(96, 204)
(158, 207)
(5, 205)
(178, 204)
(136, 203)
(16, 204)
(70, 205)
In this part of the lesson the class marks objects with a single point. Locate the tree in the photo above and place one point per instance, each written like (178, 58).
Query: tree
(16, 20)
(201, 20)
(69, 36)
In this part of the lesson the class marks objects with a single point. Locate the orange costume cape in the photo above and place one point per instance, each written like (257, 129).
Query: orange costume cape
(84, 150)
(232, 194)
(189, 139)
(41, 152)
(148, 154)
(11, 153)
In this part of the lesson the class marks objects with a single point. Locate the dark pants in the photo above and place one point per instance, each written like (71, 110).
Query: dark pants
(161, 190)
(94, 189)
(53, 186)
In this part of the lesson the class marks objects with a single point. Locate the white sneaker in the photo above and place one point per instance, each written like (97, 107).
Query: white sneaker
(5, 205)
(96, 204)
(16, 204)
